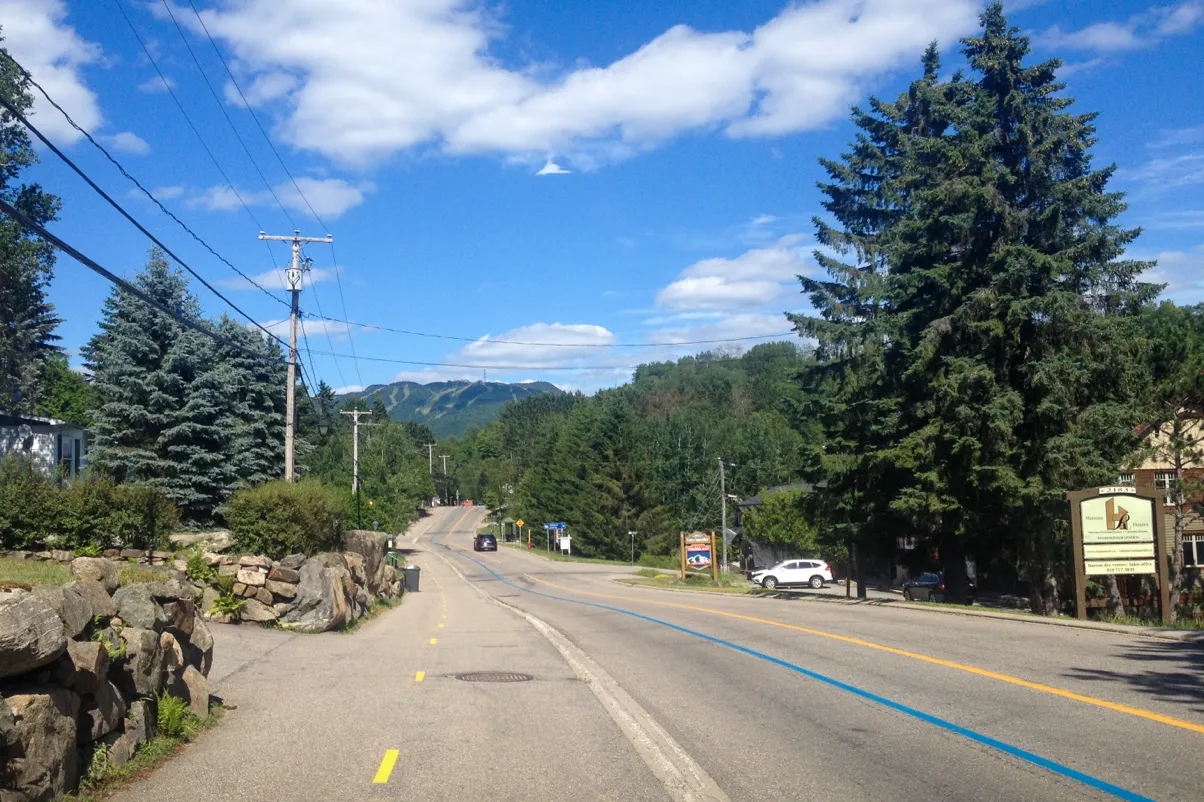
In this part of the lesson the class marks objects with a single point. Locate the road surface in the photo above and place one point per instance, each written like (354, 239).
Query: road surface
(641, 694)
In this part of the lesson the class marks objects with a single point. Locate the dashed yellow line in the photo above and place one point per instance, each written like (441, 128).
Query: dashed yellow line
(432, 641)
(386, 766)
(421, 675)
(982, 672)
(440, 626)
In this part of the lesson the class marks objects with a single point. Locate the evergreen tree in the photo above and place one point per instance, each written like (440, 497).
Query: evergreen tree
(128, 357)
(256, 384)
(27, 319)
(65, 394)
(380, 413)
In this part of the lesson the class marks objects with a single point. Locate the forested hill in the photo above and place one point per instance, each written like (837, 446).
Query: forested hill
(643, 457)
(449, 408)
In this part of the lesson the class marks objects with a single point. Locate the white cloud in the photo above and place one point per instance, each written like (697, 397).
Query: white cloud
(1177, 137)
(753, 279)
(552, 168)
(728, 327)
(1176, 220)
(1175, 171)
(762, 220)
(555, 344)
(128, 142)
(166, 193)
(330, 197)
(1139, 31)
(311, 329)
(274, 280)
(36, 35)
(1182, 272)
(351, 388)
(359, 81)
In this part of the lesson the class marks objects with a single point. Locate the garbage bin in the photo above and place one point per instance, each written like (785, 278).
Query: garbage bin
(412, 573)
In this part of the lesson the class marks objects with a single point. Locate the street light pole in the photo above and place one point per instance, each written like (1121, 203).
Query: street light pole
(632, 536)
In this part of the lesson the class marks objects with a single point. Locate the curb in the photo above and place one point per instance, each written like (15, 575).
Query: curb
(1157, 633)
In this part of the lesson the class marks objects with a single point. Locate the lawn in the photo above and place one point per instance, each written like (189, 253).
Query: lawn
(35, 572)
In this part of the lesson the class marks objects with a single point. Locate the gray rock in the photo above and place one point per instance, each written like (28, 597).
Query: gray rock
(209, 596)
(254, 560)
(179, 566)
(143, 719)
(122, 744)
(255, 610)
(197, 691)
(31, 633)
(264, 596)
(282, 608)
(8, 729)
(212, 558)
(101, 714)
(282, 574)
(141, 671)
(283, 590)
(199, 651)
(172, 589)
(137, 607)
(99, 600)
(45, 723)
(70, 605)
(293, 561)
(355, 564)
(173, 653)
(252, 577)
(321, 602)
(329, 559)
(239, 589)
(98, 568)
(88, 663)
(227, 569)
(133, 554)
(161, 555)
(61, 555)
(180, 615)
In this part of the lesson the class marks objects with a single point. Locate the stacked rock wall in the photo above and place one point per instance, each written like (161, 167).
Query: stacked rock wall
(80, 666)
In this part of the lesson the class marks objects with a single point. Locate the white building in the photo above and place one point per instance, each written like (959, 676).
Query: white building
(50, 443)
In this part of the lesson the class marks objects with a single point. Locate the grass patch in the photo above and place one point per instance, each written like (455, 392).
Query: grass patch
(102, 780)
(1134, 621)
(571, 558)
(663, 580)
(37, 572)
(379, 605)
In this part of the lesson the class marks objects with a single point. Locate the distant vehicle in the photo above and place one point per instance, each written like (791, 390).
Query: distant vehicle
(931, 587)
(484, 543)
(467, 503)
(794, 572)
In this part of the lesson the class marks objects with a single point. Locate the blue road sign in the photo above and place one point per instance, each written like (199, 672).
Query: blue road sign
(553, 526)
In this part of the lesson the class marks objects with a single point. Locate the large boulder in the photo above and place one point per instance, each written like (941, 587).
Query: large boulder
(69, 603)
(293, 562)
(252, 576)
(355, 564)
(99, 600)
(257, 612)
(102, 713)
(282, 574)
(181, 614)
(196, 691)
(84, 667)
(46, 763)
(321, 602)
(98, 568)
(283, 590)
(141, 672)
(143, 719)
(31, 633)
(256, 560)
(137, 607)
(171, 590)
(371, 547)
(199, 650)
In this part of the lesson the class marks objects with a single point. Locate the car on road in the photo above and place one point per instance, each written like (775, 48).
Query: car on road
(790, 573)
(484, 543)
(930, 586)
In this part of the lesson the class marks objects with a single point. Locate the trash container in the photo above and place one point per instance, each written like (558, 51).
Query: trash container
(412, 573)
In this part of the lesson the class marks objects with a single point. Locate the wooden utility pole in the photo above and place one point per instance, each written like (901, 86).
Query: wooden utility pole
(355, 456)
(293, 284)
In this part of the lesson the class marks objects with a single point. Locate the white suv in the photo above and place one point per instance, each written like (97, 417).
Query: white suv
(794, 572)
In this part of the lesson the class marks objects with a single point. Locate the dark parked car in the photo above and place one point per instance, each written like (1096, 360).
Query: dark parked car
(484, 543)
(931, 587)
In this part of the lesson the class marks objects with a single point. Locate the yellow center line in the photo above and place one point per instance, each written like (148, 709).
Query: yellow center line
(440, 626)
(419, 676)
(982, 672)
(386, 766)
(432, 641)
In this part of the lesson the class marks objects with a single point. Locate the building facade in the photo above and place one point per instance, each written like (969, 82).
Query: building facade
(50, 444)
(1156, 473)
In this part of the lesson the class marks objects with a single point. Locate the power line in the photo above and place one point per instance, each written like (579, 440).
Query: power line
(17, 114)
(127, 174)
(548, 368)
(221, 106)
(556, 345)
(41, 231)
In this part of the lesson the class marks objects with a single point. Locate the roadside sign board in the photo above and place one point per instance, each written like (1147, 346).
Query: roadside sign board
(553, 526)
(519, 523)
(1118, 531)
(698, 553)
(698, 556)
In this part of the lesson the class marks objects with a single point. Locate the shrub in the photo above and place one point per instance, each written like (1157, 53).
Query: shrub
(89, 549)
(28, 504)
(226, 604)
(198, 568)
(175, 720)
(281, 518)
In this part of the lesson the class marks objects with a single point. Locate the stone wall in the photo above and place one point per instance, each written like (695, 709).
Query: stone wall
(80, 666)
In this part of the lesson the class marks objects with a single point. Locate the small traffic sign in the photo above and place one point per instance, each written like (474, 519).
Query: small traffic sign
(519, 523)
(553, 526)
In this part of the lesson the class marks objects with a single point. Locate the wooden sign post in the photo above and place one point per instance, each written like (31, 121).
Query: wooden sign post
(1118, 531)
(698, 554)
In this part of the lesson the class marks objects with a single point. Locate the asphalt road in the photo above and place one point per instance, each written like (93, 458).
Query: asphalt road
(645, 694)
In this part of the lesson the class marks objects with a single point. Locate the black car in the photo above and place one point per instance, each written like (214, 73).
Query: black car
(484, 543)
(931, 587)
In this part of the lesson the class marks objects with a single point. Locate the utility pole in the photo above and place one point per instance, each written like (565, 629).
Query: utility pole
(355, 456)
(446, 488)
(293, 280)
(723, 514)
(430, 458)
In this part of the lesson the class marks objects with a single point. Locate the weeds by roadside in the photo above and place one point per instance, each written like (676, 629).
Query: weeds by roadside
(1134, 621)
(378, 606)
(48, 572)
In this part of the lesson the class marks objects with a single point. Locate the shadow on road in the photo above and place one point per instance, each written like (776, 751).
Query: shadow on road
(1168, 670)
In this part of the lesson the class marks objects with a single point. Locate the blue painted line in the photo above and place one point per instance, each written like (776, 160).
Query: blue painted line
(1022, 754)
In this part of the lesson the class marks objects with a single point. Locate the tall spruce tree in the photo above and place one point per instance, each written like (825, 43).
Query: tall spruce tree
(27, 319)
(128, 358)
(256, 383)
(1011, 354)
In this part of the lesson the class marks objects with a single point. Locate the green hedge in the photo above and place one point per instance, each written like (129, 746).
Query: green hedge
(86, 513)
(281, 518)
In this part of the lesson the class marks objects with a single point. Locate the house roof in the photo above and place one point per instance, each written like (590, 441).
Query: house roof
(755, 501)
(18, 418)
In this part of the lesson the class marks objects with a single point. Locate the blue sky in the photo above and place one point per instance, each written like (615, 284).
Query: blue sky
(606, 175)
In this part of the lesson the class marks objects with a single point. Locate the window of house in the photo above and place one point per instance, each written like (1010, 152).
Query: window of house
(1164, 480)
(1125, 479)
(67, 454)
(1193, 550)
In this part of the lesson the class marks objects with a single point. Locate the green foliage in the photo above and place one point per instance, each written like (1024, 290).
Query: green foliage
(94, 511)
(97, 764)
(225, 585)
(227, 604)
(197, 568)
(112, 642)
(281, 518)
(175, 720)
(781, 521)
(64, 393)
(89, 549)
(28, 504)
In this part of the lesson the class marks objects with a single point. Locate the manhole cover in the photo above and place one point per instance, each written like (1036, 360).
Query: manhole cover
(494, 676)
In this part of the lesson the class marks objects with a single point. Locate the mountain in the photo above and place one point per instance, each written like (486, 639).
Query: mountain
(449, 408)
